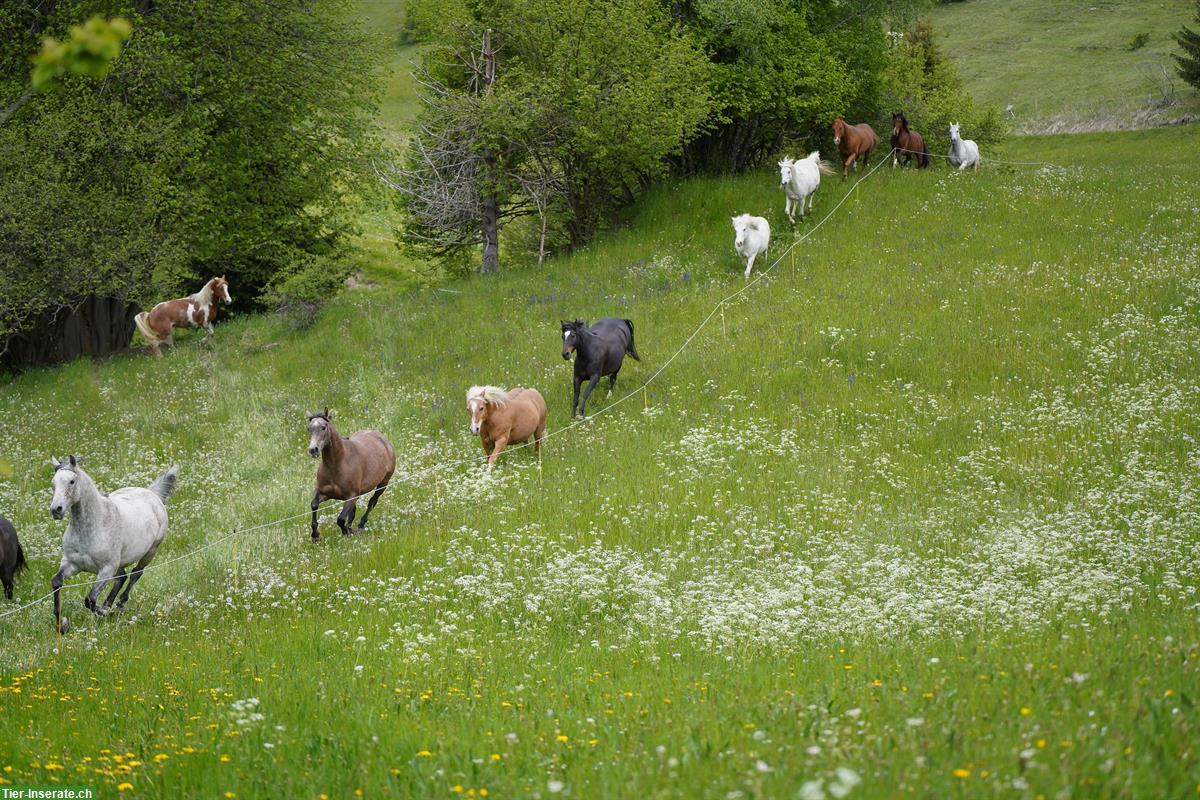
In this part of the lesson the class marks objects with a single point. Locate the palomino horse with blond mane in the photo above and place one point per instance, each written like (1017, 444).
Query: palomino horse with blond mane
(853, 142)
(501, 418)
(195, 311)
(350, 467)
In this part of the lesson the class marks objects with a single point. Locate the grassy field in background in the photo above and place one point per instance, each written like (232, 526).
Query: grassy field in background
(1068, 65)
(914, 516)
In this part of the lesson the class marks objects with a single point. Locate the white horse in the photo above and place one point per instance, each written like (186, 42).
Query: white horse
(752, 236)
(800, 179)
(963, 152)
(107, 533)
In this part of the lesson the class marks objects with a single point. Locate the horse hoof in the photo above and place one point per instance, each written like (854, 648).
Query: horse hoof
(64, 626)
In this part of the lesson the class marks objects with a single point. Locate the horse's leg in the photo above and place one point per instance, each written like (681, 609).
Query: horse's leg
(362, 523)
(575, 398)
(588, 393)
(65, 570)
(846, 166)
(346, 518)
(316, 503)
(116, 589)
(612, 382)
(105, 575)
(135, 576)
(501, 443)
(6, 577)
(750, 264)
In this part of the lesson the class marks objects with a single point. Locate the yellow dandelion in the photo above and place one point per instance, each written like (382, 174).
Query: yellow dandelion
(124, 787)
(160, 757)
(962, 773)
(495, 756)
(230, 795)
(484, 792)
(562, 737)
(1026, 711)
(1041, 743)
(423, 754)
(457, 789)
(53, 767)
(224, 758)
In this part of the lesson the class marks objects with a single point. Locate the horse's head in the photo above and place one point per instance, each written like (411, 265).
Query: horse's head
(220, 289)
(66, 485)
(839, 129)
(320, 425)
(785, 171)
(741, 229)
(899, 123)
(477, 407)
(571, 331)
(954, 131)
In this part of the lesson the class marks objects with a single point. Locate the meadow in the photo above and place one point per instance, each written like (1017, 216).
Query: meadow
(916, 514)
(1071, 66)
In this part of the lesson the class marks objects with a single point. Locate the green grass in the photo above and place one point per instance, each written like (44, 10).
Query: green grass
(920, 505)
(1068, 65)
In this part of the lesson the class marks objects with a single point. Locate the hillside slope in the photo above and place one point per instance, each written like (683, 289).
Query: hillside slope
(1069, 66)
(915, 513)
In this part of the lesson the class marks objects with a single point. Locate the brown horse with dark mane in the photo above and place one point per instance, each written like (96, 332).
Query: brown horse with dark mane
(907, 143)
(853, 142)
(350, 467)
(194, 311)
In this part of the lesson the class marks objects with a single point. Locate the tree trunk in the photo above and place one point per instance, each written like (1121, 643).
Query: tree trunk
(490, 228)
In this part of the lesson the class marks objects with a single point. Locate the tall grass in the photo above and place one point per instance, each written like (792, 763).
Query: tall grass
(914, 516)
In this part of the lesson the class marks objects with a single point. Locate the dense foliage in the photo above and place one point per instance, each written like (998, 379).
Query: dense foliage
(1189, 60)
(920, 81)
(226, 138)
(541, 107)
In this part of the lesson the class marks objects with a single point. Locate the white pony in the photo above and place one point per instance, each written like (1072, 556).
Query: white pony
(107, 533)
(800, 179)
(963, 152)
(752, 236)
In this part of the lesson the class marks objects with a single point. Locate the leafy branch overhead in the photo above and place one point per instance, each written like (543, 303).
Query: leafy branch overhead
(89, 49)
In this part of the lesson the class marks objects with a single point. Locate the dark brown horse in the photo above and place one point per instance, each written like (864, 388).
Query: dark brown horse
(853, 142)
(350, 467)
(12, 557)
(907, 143)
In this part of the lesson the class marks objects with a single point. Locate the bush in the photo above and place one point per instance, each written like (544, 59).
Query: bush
(302, 289)
(924, 84)
(1138, 41)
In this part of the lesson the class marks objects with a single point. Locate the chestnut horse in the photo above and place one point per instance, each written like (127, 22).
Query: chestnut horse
(501, 417)
(350, 467)
(195, 311)
(853, 142)
(907, 143)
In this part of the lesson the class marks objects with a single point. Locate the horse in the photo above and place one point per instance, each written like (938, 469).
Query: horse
(599, 351)
(910, 143)
(107, 533)
(12, 557)
(194, 311)
(751, 237)
(853, 142)
(800, 179)
(963, 152)
(350, 467)
(501, 417)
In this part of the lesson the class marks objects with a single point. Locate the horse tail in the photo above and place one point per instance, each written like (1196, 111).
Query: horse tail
(21, 563)
(164, 485)
(924, 154)
(825, 168)
(143, 325)
(631, 349)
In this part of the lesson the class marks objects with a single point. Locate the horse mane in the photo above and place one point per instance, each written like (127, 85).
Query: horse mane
(492, 395)
(749, 220)
(577, 325)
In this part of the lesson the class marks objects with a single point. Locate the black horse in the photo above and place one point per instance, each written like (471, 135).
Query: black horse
(12, 557)
(599, 351)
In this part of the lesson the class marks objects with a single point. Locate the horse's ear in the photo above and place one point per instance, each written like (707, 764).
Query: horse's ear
(328, 414)
(54, 462)
(73, 461)
(308, 415)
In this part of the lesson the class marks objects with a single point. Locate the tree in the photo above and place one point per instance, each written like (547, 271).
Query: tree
(228, 136)
(584, 101)
(1189, 61)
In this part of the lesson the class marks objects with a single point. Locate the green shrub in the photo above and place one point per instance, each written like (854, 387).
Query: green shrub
(1138, 41)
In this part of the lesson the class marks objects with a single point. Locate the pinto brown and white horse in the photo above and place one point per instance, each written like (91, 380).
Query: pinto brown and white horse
(501, 418)
(350, 467)
(853, 142)
(907, 143)
(195, 311)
